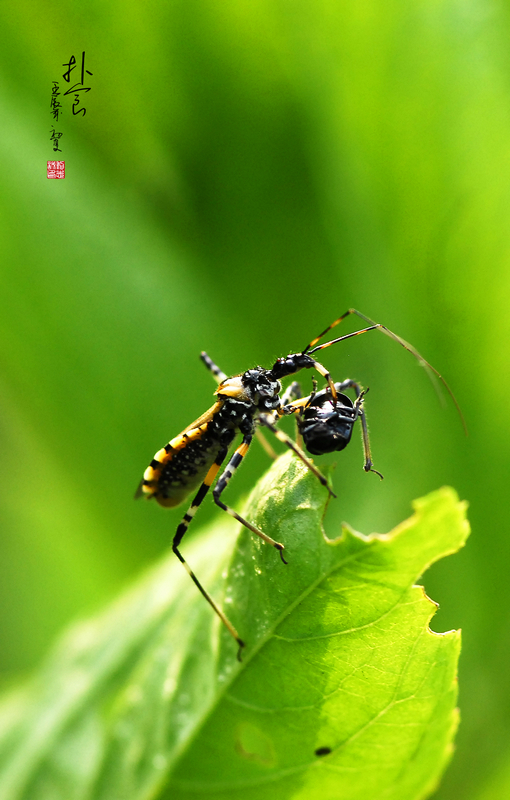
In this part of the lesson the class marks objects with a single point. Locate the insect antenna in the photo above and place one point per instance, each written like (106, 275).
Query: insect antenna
(432, 372)
(333, 325)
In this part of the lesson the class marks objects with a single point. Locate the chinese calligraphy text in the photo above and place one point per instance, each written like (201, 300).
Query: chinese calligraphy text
(78, 86)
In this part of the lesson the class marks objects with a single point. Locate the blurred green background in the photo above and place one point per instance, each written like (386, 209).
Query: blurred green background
(245, 172)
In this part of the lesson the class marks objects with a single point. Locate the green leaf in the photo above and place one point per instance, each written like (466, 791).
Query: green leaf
(148, 700)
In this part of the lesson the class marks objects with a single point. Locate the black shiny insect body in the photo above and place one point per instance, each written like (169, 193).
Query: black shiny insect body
(244, 404)
(326, 425)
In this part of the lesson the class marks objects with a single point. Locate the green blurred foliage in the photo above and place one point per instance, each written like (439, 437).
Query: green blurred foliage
(245, 173)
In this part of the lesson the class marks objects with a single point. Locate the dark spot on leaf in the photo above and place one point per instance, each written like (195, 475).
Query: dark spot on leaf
(323, 751)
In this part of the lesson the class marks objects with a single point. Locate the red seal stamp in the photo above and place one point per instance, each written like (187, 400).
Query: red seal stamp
(56, 169)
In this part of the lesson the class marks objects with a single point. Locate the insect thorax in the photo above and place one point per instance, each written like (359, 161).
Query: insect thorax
(256, 386)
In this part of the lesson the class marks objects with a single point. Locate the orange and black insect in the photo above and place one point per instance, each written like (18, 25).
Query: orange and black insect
(244, 404)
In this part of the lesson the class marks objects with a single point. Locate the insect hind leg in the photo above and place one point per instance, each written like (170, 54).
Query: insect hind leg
(181, 531)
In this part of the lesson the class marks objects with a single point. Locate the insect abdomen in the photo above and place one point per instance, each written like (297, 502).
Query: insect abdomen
(186, 471)
(180, 467)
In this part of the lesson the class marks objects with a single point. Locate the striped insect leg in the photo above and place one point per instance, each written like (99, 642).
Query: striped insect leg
(327, 375)
(218, 374)
(181, 530)
(223, 481)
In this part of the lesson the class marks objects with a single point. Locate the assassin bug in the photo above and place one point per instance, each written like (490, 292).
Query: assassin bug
(245, 403)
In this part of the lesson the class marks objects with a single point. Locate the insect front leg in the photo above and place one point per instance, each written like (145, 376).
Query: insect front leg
(222, 483)
(292, 392)
(181, 530)
(292, 395)
(282, 437)
(327, 375)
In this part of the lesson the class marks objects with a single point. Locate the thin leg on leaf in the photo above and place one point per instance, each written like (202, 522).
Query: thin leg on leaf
(181, 530)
